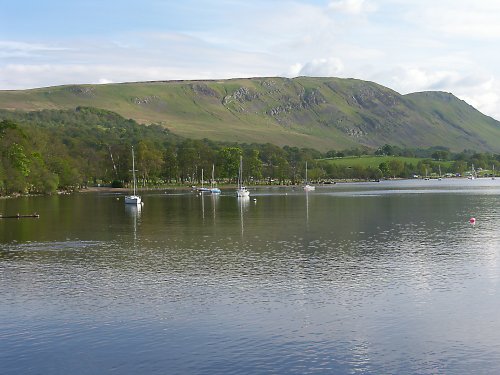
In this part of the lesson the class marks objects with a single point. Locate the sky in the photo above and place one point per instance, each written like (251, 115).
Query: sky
(406, 45)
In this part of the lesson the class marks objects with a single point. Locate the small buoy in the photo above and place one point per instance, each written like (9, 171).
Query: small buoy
(472, 220)
(255, 199)
(117, 199)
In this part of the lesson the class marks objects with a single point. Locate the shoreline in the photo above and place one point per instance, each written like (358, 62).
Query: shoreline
(109, 189)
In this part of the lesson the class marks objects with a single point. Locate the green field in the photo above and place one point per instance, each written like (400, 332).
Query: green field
(374, 161)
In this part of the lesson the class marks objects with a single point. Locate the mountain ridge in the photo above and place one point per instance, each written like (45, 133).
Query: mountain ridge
(321, 113)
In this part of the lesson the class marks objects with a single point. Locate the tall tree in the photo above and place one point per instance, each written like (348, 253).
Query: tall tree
(229, 159)
(170, 166)
(149, 160)
(253, 165)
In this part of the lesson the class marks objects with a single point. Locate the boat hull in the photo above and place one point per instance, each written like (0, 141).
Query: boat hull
(242, 192)
(132, 199)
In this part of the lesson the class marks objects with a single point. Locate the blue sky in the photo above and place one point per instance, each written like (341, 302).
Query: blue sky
(407, 45)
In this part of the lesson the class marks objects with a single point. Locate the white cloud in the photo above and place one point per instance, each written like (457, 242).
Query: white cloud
(283, 27)
(23, 46)
(16, 49)
(410, 79)
(352, 6)
(480, 91)
(464, 23)
(484, 96)
(320, 67)
(294, 70)
(458, 18)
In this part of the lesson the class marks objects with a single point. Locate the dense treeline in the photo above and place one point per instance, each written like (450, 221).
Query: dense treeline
(47, 150)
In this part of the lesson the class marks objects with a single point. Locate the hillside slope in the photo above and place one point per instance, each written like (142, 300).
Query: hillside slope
(322, 113)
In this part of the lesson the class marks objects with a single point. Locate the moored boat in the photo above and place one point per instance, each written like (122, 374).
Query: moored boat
(134, 198)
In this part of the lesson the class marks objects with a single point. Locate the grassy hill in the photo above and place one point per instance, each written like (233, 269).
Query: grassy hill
(321, 113)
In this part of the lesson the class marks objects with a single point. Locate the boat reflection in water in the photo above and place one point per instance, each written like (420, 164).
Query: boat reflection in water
(243, 202)
(135, 212)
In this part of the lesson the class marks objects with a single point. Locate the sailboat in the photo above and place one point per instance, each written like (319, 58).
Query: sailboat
(202, 189)
(242, 190)
(472, 173)
(134, 198)
(493, 172)
(308, 187)
(439, 178)
(213, 188)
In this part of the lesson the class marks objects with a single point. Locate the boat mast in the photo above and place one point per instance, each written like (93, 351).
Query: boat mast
(133, 168)
(240, 174)
(213, 172)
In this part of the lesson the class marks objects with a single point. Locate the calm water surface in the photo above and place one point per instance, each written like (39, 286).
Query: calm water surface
(375, 278)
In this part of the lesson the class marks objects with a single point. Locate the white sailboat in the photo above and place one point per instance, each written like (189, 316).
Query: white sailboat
(134, 198)
(308, 187)
(472, 173)
(213, 188)
(242, 190)
(203, 189)
(439, 178)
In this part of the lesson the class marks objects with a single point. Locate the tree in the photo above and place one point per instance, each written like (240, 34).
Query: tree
(385, 150)
(170, 166)
(331, 154)
(69, 176)
(3, 177)
(315, 173)
(374, 173)
(150, 160)
(282, 168)
(424, 167)
(459, 166)
(253, 165)
(188, 159)
(18, 159)
(384, 168)
(440, 155)
(229, 158)
(396, 168)
(41, 180)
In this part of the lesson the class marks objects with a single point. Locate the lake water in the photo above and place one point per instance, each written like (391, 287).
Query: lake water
(373, 278)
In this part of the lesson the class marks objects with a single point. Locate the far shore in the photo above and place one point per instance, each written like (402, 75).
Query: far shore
(109, 189)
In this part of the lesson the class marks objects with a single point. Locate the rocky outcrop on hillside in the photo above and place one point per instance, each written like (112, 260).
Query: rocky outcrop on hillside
(86, 91)
(202, 89)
